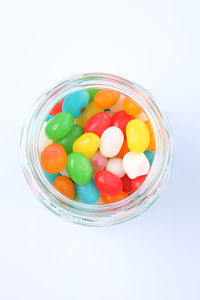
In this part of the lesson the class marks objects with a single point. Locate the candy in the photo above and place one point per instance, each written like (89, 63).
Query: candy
(98, 123)
(57, 108)
(137, 136)
(124, 149)
(108, 183)
(120, 119)
(111, 199)
(90, 111)
(98, 161)
(49, 117)
(76, 103)
(150, 156)
(131, 107)
(111, 141)
(115, 166)
(88, 192)
(68, 140)
(87, 144)
(65, 186)
(137, 182)
(53, 158)
(43, 139)
(152, 144)
(51, 177)
(142, 116)
(106, 98)
(126, 181)
(119, 105)
(135, 164)
(79, 168)
(59, 126)
(92, 93)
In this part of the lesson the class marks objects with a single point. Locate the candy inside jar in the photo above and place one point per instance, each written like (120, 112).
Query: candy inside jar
(97, 146)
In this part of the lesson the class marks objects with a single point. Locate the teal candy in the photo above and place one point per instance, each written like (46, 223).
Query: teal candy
(88, 193)
(76, 103)
(51, 177)
(149, 156)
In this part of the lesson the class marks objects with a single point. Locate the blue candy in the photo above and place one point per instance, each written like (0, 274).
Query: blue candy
(149, 156)
(76, 103)
(88, 192)
(51, 177)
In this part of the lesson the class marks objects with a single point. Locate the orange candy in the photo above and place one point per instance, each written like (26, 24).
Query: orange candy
(152, 144)
(124, 149)
(106, 98)
(131, 107)
(111, 199)
(53, 158)
(65, 186)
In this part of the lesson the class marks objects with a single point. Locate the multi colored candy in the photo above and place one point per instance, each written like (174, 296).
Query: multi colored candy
(97, 144)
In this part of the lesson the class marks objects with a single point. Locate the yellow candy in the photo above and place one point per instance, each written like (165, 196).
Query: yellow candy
(90, 111)
(138, 136)
(87, 144)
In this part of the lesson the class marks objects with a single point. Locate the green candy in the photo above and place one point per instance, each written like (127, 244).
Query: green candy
(92, 93)
(79, 168)
(59, 126)
(68, 140)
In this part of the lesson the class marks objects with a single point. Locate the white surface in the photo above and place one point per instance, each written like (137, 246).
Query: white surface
(155, 256)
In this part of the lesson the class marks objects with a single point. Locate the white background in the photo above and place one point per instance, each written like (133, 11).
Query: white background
(156, 255)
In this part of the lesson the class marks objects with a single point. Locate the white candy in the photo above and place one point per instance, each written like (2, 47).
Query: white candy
(111, 141)
(44, 141)
(135, 164)
(63, 172)
(119, 105)
(115, 166)
(142, 116)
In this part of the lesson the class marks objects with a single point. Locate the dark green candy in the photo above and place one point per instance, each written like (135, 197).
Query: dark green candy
(59, 126)
(68, 140)
(92, 93)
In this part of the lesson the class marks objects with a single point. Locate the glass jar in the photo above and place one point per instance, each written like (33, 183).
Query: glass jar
(105, 214)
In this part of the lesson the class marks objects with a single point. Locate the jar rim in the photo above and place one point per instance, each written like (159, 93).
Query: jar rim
(53, 199)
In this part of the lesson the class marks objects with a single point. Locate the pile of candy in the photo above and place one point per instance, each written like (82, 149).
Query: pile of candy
(96, 146)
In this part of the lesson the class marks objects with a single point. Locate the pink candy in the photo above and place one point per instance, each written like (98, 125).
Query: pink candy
(98, 161)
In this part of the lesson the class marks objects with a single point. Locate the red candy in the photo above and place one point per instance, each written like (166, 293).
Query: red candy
(137, 182)
(108, 183)
(120, 120)
(98, 123)
(57, 108)
(127, 187)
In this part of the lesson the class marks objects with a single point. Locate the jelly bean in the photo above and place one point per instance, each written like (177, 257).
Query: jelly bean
(108, 183)
(53, 158)
(115, 166)
(131, 107)
(92, 93)
(152, 144)
(68, 140)
(87, 144)
(65, 186)
(126, 181)
(111, 199)
(150, 156)
(90, 111)
(51, 177)
(98, 123)
(106, 98)
(111, 141)
(98, 161)
(43, 141)
(124, 149)
(49, 117)
(137, 136)
(137, 182)
(135, 164)
(76, 103)
(120, 119)
(57, 108)
(142, 116)
(88, 192)
(79, 168)
(119, 105)
(59, 126)
(63, 172)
